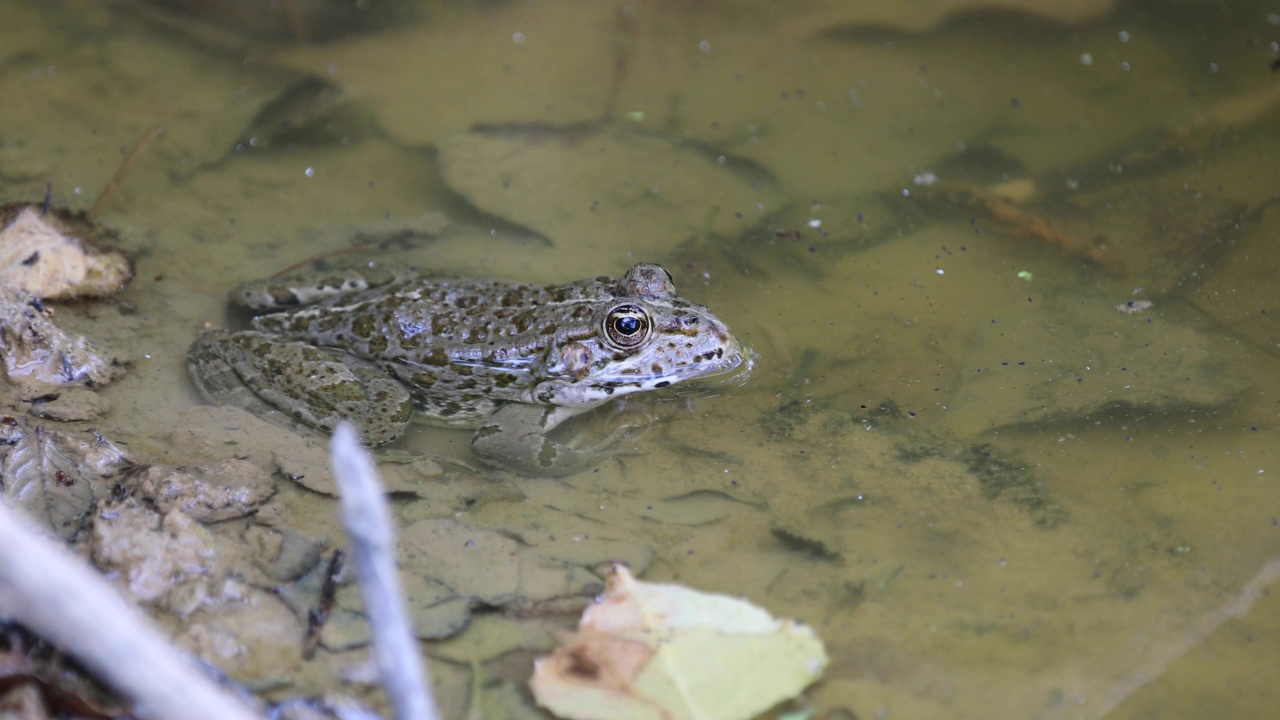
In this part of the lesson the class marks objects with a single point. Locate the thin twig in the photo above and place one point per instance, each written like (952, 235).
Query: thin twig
(123, 170)
(319, 615)
(371, 530)
(58, 597)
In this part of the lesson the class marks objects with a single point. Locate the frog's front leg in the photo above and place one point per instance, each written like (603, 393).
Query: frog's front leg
(514, 438)
(314, 385)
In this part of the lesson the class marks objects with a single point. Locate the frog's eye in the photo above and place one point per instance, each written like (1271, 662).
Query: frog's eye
(626, 326)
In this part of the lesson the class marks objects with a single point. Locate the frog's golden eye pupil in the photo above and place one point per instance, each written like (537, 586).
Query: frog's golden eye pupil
(627, 326)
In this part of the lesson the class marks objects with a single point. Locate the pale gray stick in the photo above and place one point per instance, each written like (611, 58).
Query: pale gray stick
(370, 528)
(58, 597)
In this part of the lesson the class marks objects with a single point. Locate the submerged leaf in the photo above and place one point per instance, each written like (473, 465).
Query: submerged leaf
(54, 476)
(42, 478)
(647, 189)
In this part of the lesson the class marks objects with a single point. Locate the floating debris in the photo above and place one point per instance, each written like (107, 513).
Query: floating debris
(1133, 307)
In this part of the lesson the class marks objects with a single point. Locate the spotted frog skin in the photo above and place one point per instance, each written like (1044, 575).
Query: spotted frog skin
(511, 360)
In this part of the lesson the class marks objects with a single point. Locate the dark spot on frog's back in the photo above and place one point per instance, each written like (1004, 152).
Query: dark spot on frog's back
(377, 344)
(437, 357)
(524, 321)
(327, 323)
(365, 328)
(443, 325)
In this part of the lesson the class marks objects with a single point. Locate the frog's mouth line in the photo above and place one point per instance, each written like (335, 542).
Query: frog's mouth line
(734, 371)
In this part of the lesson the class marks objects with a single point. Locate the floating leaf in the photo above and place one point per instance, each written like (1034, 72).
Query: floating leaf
(650, 651)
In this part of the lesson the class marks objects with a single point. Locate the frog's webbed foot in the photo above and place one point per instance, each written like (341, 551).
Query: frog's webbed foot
(253, 370)
(515, 439)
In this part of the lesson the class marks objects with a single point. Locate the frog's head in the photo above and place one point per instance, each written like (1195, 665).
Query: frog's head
(646, 338)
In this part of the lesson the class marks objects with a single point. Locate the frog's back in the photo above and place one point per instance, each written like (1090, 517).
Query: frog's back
(462, 346)
(414, 320)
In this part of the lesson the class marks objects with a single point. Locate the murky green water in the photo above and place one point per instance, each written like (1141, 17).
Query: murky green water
(993, 493)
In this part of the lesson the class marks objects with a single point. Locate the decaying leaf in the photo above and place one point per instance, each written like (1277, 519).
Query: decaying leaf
(40, 682)
(435, 611)
(667, 652)
(1049, 368)
(480, 564)
(52, 476)
(448, 569)
(39, 354)
(51, 255)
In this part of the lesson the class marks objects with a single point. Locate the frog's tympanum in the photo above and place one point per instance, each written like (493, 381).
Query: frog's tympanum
(511, 360)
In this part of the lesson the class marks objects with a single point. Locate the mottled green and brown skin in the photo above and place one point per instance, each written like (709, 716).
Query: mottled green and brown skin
(511, 360)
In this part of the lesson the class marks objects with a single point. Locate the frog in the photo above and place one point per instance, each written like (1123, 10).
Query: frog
(511, 361)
